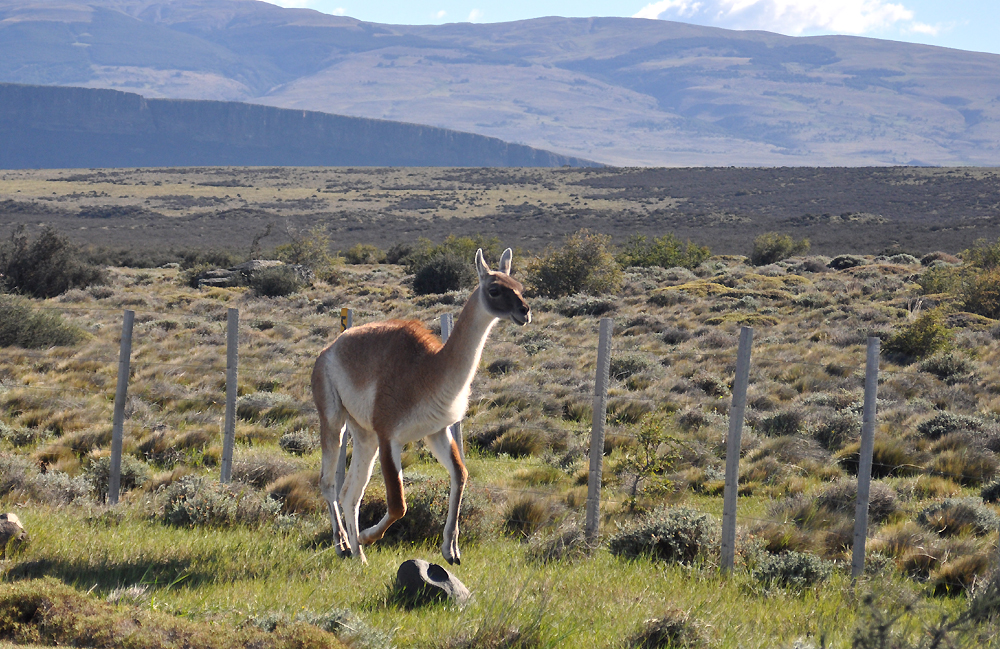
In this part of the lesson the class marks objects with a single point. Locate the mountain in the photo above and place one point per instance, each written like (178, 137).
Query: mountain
(56, 127)
(617, 90)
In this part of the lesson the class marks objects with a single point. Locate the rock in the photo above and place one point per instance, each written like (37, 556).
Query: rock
(12, 533)
(420, 582)
(255, 265)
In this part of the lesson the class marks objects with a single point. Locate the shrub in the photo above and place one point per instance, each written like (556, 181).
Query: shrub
(968, 466)
(981, 293)
(526, 515)
(843, 262)
(890, 457)
(667, 252)
(674, 535)
(947, 366)
(22, 326)
(194, 500)
(567, 543)
(298, 493)
(260, 469)
(944, 423)
(628, 365)
(584, 264)
(782, 424)
(774, 246)
(676, 629)
(960, 574)
(925, 336)
(983, 254)
(265, 407)
(133, 475)
(792, 570)
(577, 305)
(842, 496)
(299, 442)
(443, 274)
(836, 430)
(277, 281)
(312, 250)
(427, 512)
(46, 267)
(364, 253)
(941, 279)
(991, 492)
(519, 442)
(955, 516)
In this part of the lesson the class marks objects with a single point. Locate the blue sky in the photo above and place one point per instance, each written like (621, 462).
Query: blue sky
(963, 24)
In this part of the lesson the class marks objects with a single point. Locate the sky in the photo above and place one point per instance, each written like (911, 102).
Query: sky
(962, 24)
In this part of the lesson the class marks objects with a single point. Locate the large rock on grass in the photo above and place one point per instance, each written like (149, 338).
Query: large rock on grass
(420, 582)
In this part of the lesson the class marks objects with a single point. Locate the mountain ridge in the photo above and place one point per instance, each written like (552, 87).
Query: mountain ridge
(618, 90)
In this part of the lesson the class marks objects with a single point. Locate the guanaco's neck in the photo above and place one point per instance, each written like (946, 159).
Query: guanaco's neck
(464, 347)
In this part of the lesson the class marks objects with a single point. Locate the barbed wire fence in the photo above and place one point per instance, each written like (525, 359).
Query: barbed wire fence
(602, 351)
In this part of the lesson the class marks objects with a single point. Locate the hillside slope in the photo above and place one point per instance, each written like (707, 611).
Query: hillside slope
(621, 91)
(53, 127)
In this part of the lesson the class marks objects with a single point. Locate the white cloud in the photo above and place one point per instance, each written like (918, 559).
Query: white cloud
(475, 15)
(441, 14)
(788, 16)
(339, 11)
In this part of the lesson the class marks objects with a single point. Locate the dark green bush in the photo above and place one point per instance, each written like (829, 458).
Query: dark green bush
(925, 336)
(774, 246)
(22, 326)
(584, 264)
(462, 248)
(194, 500)
(364, 253)
(48, 266)
(834, 431)
(667, 252)
(673, 630)
(675, 535)
(299, 442)
(991, 492)
(277, 281)
(941, 279)
(792, 570)
(981, 293)
(627, 365)
(956, 516)
(782, 424)
(948, 366)
(443, 274)
(577, 305)
(983, 254)
(427, 512)
(843, 262)
(134, 474)
(947, 422)
(890, 457)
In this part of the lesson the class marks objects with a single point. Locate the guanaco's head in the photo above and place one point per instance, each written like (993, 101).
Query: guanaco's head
(501, 293)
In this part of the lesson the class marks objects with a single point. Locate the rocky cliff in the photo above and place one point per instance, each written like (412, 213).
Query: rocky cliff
(59, 127)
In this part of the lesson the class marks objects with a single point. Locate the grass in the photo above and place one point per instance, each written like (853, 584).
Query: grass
(533, 419)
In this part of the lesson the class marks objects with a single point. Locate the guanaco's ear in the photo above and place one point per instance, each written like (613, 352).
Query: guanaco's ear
(481, 267)
(505, 261)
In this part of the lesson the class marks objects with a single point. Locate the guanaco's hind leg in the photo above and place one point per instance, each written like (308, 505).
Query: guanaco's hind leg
(392, 474)
(332, 420)
(444, 448)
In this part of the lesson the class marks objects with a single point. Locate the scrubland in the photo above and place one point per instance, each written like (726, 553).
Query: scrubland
(196, 564)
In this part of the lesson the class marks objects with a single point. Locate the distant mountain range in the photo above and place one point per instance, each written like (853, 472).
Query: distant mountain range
(619, 91)
(56, 127)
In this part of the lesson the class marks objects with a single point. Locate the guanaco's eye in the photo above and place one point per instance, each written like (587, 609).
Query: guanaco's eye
(493, 291)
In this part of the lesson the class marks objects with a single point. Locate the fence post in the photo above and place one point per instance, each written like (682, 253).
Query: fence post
(232, 364)
(733, 443)
(447, 324)
(865, 459)
(346, 322)
(597, 431)
(121, 393)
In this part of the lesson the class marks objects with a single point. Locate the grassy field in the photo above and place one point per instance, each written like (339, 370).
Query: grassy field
(264, 565)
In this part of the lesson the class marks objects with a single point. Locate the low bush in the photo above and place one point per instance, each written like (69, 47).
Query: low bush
(991, 492)
(622, 367)
(677, 535)
(298, 493)
(944, 423)
(667, 251)
(567, 543)
(527, 514)
(843, 262)
(956, 516)
(364, 253)
(277, 281)
(134, 474)
(299, 442)
(924, 337)
(577, 305)
(834, 431)
(792, 570)
(782, 424)
(584, 264)
(194, 501)
(771, 247)
(675, 629)
(967, 466)
(960, 575)
(427, 512)
(46, 267)
(519, 442)
(948, 366)
(258, 469)
(443, 274)
(890, 457)
(23, 326)
(981, 293)
(842, 496)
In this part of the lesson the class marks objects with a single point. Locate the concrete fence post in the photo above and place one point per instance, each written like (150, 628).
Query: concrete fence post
(232, 378)
(865, 459)
(597, 431)
(733, 442)
(121, 394)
